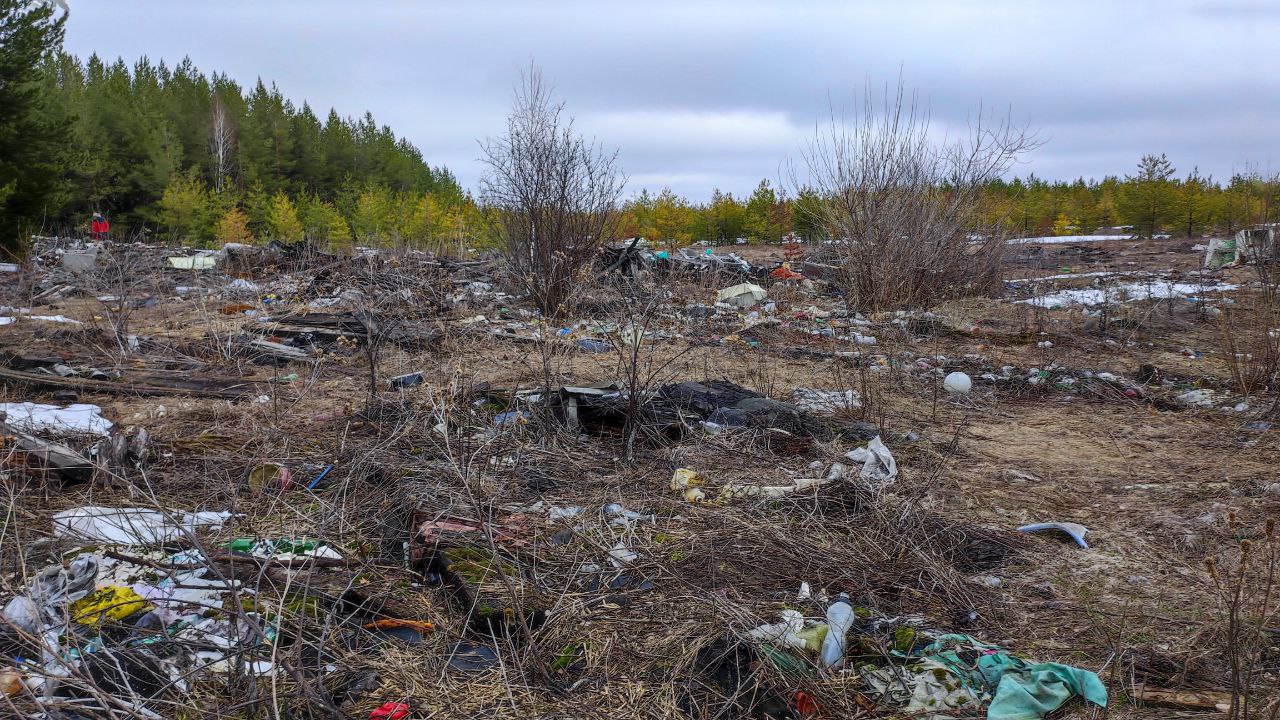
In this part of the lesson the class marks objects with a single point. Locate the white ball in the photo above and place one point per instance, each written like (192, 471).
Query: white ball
(957, 382)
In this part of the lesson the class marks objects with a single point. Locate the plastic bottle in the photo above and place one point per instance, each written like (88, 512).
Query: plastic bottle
(839, 620)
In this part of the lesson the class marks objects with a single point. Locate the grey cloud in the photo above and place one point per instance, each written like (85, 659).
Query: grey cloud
(720, 94)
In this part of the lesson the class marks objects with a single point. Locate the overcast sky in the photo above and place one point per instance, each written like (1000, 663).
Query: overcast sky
(698, 95)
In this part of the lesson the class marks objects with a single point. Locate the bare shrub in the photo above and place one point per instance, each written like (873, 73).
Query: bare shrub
(552, 195)
(1249, 335)
(118, 283)
(902, 206)
(1245, 589)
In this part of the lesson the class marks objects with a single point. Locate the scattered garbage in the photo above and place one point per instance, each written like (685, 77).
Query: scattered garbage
(826, 401)
(512, 541)
(113, 602)
(40, 418)
(1075, 531)
(270, 476)
(193, 262)
(878, 465)
(243, 285)
(469, 657)
(511, 418)
(52, 588)
(390, 711)
(10, 319)
(958, 383)
(407, 380)
(131, 525)
(743, 295)
(81, 260)
(956, 673)
(1125, 292)
(687, 482)
(785, 633)
(1198, 398)
(839, 620)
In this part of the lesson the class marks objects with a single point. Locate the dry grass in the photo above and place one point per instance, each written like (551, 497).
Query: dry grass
(1154, 487)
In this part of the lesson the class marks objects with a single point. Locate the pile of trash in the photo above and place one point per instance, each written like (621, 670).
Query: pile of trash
(144, 623)
(125, 622)
(902, 663)
(637, 256)
(446, 484)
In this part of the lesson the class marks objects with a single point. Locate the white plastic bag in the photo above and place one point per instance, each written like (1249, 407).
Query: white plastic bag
(879, 468)
(131, 526)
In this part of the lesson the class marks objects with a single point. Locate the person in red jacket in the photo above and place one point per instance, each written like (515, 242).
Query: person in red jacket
(99, 228)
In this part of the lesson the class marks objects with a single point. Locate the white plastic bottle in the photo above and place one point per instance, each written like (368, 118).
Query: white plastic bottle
(839, 620)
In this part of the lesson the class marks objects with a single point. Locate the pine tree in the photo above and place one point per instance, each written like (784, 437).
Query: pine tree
(338, 150)
(323, 224)
(672, 219)
(187, 100)
(33, 144)
(724, 218)
(1192, 203)
(1061, 225)
(282, 221)
(308, 153)
(1147, 199)
(760, 221)
(183, 205)
(807, 215)
(233, 228)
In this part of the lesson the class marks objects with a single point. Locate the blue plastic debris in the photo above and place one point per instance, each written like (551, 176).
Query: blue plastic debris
(323, 473)
(1075, 531)
(593, 345)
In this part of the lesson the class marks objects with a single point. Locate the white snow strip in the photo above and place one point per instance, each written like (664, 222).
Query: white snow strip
(1059, 239)
(1123, 293)
(56, 318)
(1070, 276)
(10, 319)
(35, 418)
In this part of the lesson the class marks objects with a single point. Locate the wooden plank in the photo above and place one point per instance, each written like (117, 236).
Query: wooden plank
(156, 386)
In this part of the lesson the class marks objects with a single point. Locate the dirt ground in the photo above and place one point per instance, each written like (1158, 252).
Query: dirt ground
(1160, 486)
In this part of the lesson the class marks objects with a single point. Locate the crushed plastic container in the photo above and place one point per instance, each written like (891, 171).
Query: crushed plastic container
(839, 619)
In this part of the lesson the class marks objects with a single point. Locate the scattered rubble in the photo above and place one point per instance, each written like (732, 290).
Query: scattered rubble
(261, 470)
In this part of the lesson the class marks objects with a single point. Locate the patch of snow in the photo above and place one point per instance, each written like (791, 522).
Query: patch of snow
(36, 417)
(1158, 290)
(26, 313)
(56, 318)
(1070, 276)
(1060, 239)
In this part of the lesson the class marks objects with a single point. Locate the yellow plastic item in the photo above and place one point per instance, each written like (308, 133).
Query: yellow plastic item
(813, 636)
(114, 602)
(694, 495)
(10, 683)
(685, 478)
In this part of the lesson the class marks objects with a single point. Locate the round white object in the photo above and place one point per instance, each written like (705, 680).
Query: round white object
(957, 382)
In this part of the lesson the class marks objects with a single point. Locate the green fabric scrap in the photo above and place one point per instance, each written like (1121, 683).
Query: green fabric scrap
(1015, 688)
(1037, 690)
